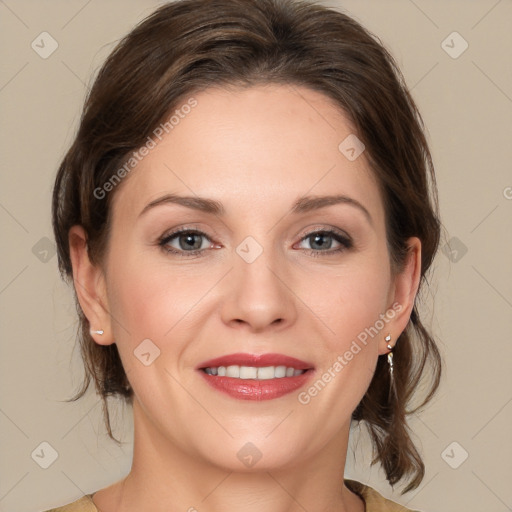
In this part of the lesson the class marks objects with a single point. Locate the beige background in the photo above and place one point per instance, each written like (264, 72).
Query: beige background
(467, 106)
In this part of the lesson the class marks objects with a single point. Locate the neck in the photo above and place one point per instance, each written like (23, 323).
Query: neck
(164, 477)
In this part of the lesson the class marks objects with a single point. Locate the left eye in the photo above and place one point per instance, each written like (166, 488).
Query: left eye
(319, 244)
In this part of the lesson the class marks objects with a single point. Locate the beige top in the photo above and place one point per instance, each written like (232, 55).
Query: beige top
(374, 502)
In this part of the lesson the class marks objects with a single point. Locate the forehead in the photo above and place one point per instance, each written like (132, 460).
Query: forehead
(257, 147)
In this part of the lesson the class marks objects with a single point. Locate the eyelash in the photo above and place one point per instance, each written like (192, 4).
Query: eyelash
(345, 241)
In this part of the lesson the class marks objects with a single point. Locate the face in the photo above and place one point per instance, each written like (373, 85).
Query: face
(269, 279)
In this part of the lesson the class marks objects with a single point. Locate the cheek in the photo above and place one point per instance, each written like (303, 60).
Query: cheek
(156, 303)
(352, 300)
(353, 309)
(151, 299)
(148, 302)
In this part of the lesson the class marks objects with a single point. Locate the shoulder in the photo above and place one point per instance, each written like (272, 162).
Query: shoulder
(374, 501)
(84, 504)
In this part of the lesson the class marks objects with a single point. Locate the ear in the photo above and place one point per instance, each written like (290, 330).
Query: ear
(402, 295)
(90, 286)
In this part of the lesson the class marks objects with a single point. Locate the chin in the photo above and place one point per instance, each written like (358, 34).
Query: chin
(253, 454)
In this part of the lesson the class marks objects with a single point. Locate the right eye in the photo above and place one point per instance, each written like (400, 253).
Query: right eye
(188, 242)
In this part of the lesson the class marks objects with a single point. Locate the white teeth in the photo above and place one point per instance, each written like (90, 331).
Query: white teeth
(280, 371)
(248, 372)
(252, 372)
(266, 372)
(233, 371)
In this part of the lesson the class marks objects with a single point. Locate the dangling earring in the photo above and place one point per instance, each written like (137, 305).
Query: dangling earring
(99, 333)
(390, 363)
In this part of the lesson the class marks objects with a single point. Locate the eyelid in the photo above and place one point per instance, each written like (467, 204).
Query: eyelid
(170, 233)
(327, 229)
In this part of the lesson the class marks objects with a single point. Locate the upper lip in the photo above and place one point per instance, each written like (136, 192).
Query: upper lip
(257, 360)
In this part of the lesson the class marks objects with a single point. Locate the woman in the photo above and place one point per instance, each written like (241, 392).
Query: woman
(247, 214)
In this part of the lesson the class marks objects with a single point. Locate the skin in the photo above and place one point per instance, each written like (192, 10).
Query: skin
(255, 150)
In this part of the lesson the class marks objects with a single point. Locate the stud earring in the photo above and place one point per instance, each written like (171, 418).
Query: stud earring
(97, 332)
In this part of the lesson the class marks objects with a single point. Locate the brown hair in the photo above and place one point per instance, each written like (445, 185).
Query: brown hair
(190, 45)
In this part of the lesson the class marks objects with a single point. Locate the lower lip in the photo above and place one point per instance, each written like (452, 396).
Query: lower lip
(251, 389)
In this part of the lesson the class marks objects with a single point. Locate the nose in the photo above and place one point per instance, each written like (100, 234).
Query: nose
(258, 296)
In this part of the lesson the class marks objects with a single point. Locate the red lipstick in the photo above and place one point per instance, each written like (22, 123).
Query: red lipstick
(254, 388)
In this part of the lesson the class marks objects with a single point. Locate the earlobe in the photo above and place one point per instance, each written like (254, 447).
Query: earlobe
(89, 283)
(406, 284)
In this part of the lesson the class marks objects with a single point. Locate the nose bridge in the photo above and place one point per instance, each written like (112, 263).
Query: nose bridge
(257, 294)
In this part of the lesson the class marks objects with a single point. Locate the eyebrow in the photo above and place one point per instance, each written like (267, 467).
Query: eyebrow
(302, 205)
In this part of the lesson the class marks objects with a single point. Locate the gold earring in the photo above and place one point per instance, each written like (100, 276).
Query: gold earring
(390, 354)
(391, 366)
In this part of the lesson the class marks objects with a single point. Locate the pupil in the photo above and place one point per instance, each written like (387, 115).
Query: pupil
(317, 237)
(189, 241)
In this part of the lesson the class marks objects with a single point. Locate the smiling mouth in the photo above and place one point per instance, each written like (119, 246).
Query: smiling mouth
(256, 376)
(253, 372)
